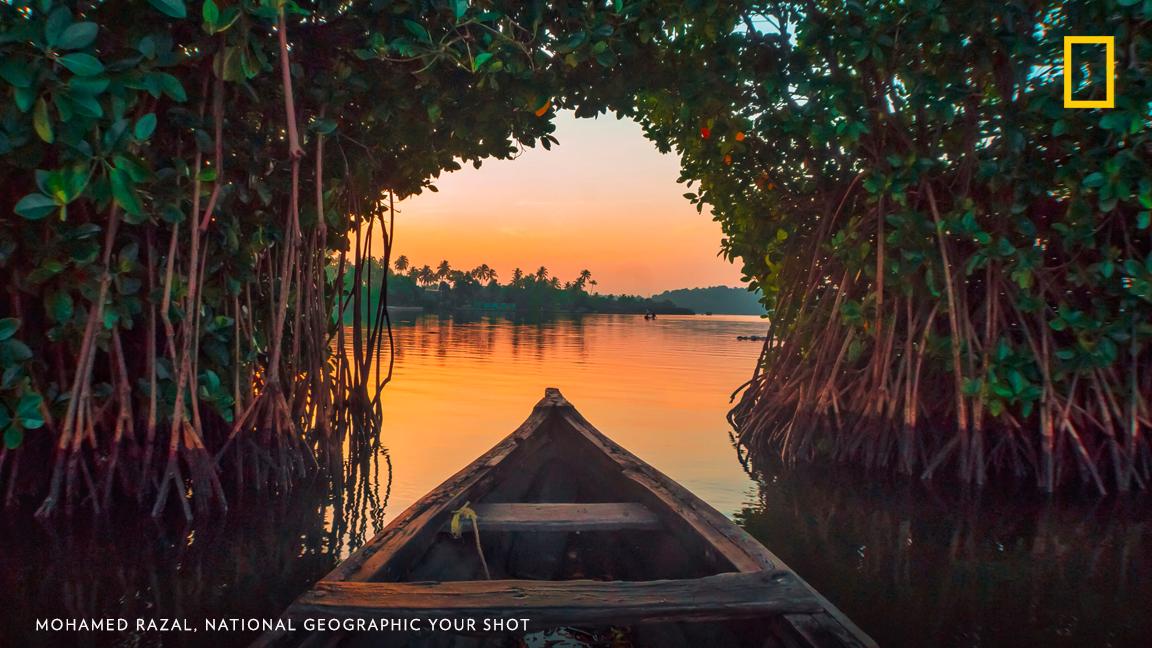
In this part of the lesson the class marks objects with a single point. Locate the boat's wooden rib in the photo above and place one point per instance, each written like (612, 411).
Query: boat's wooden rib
(552, 517)
(665, 557)
(558, 603)
(734, 543)
(414, 527)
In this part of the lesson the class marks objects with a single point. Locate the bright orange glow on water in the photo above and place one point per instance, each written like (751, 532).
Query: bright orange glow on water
(659, 388)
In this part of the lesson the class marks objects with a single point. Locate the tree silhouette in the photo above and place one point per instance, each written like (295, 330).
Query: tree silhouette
(443, 270)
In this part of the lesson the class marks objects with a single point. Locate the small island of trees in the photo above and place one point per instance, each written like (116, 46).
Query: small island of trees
(447, 289)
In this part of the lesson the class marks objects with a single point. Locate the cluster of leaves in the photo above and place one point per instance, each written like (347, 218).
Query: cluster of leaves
(150, 186)
(911, 182)
(19, 403)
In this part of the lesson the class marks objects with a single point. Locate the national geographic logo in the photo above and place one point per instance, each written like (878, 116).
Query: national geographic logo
(1109, 43)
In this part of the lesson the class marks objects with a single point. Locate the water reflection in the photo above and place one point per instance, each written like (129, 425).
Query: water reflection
(911, 565)
(243, 565)
(460, 385)
(921, 567)
(660, 388)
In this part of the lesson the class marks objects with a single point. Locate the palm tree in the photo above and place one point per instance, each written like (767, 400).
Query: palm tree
(541, 274)
(459, 278)
(517, 277)
(583, 279)
(484, 273)
(402, 263)
(443, 270)
(425, 275)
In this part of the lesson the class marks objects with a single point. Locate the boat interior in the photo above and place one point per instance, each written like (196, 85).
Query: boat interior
(592, 545)
(626, 537)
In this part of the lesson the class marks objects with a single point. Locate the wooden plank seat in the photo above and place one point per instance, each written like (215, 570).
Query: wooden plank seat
(596, 516)
(575, 602)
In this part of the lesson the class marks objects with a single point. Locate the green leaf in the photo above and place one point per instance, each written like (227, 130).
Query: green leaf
(29, 406)
(42, 122)
(24, 98)
(211, 15)
(60, 305)
(13, 437)
(81, 64)
(16, 72)
(172, 86)
(8, 327)
(14, 351)
(123, 192)
(78, 36)
(417, 30)
(57, 22)
(145, 127)
(173, 8)
(35, 206)
(481, 59)
(89, 86)
(1094, 180)
(228, 17)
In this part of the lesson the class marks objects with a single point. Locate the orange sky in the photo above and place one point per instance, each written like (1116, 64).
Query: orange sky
(605, 199)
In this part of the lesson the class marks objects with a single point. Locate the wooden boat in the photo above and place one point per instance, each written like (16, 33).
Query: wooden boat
(584, 541)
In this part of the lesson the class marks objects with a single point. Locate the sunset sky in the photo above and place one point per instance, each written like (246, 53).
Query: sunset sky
(605, 199)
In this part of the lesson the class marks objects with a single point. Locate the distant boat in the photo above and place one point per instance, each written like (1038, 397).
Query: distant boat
(578, 535)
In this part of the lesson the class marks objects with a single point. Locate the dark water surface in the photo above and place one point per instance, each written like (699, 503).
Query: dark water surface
(912, 565)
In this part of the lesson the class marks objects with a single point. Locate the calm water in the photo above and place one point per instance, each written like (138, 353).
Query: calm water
(913, 566)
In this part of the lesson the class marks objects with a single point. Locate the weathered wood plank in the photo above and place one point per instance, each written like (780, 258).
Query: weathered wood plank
(591, 516)
(739, 549)
(411, 531)
(578, 602)
(742, 550)
(822, 630)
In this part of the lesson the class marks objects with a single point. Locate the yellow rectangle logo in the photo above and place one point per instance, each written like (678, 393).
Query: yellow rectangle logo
(1109, 42)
